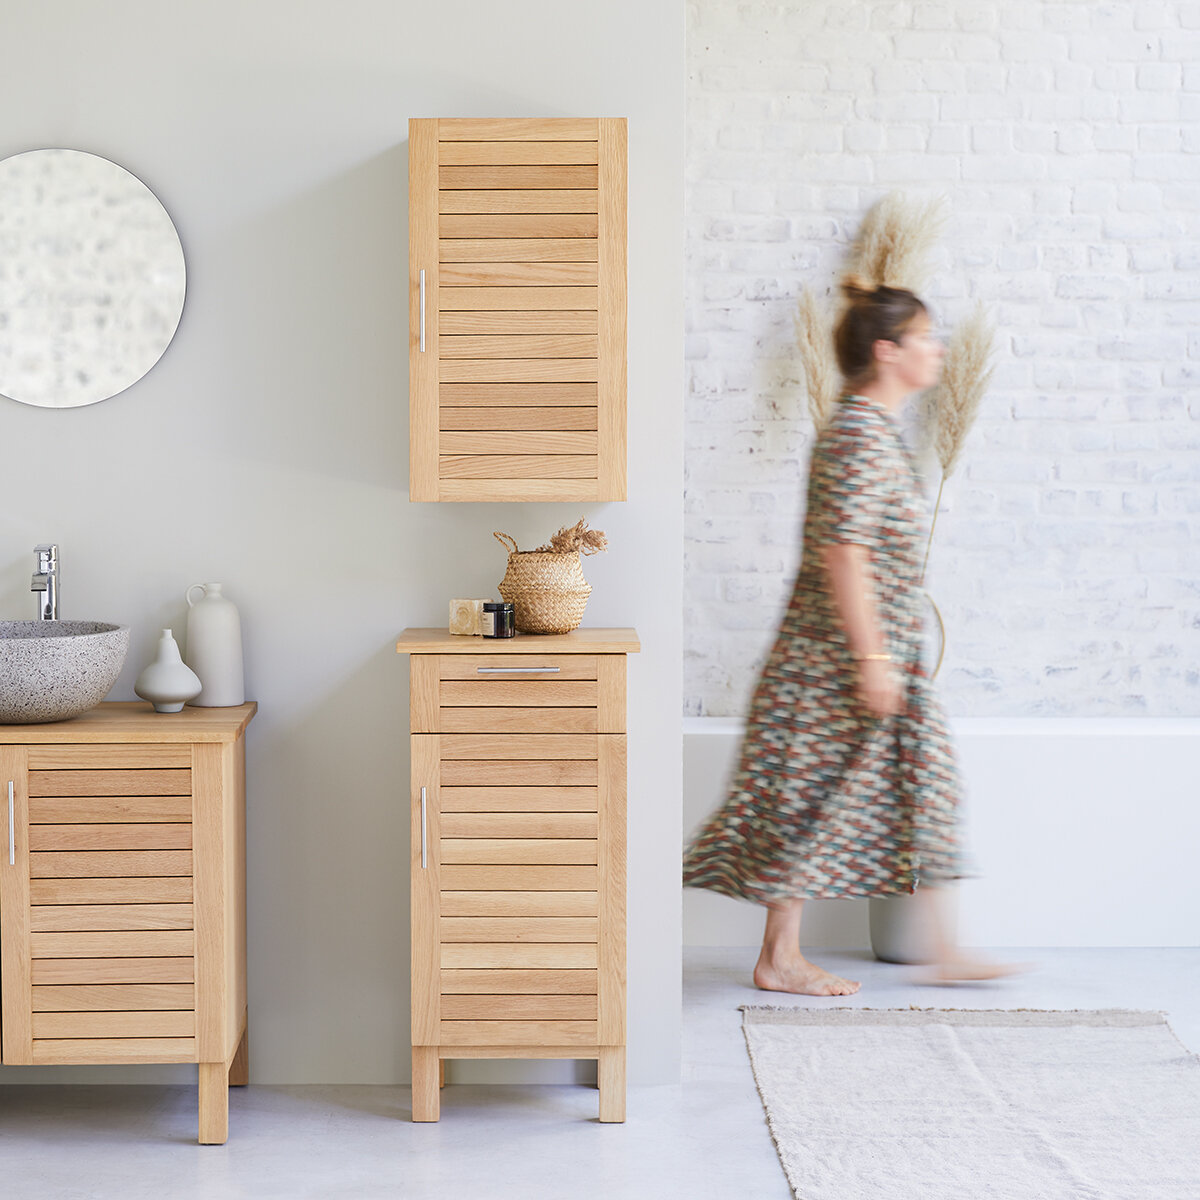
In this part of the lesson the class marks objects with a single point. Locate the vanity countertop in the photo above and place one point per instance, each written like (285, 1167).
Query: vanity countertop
(579, 641)
(136, 721)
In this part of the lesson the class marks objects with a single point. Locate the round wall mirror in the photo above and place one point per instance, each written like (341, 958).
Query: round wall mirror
(91, 278)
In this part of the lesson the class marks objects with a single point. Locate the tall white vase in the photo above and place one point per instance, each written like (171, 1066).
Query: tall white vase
(167, 682)
(214, 647)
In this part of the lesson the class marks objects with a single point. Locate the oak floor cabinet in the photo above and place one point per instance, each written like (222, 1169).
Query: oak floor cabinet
(518, 853)
(517, 336)
(122, 894)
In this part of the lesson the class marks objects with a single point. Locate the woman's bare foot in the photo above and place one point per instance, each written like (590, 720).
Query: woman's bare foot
(964, 968)
(801, 977)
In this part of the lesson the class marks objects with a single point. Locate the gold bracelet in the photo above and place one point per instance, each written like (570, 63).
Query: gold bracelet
(872, 657)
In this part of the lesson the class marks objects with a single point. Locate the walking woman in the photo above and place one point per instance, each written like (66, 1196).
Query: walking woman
(846, 784)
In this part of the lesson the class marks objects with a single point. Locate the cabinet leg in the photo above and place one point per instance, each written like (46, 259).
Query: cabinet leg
(441, 1072)
(426, 1101)
(610, 1071)
(214, 1104)
(239, 1069)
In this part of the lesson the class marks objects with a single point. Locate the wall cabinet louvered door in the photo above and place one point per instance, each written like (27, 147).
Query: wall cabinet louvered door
(517, 264)
(122, 922)
(518, 854)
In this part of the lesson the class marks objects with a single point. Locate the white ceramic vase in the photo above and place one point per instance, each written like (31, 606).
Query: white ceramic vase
(167, 682)
(214, 647)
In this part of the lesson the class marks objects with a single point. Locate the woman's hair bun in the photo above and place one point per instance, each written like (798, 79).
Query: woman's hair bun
(857, 287)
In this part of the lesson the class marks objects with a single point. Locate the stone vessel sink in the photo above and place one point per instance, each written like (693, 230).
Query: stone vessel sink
(53, 670)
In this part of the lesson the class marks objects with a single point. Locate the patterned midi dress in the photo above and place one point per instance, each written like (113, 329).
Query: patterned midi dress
(827, 800)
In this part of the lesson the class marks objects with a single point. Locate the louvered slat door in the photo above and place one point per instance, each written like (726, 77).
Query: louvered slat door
(517, 349)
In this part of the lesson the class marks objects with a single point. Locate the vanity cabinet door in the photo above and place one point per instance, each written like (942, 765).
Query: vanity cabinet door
(517, 249)
(96, 907)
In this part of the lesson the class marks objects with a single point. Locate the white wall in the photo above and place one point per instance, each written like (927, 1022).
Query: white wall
(268, 449)
(1065, 136)
(1081, 832)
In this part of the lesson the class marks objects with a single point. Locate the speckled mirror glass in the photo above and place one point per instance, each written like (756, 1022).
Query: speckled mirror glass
(91, 278)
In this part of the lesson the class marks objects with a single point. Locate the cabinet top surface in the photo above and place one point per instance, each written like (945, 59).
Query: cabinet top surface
(136, 721)
(580, 641)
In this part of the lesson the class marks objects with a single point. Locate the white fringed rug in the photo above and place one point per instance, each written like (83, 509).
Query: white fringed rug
(936, 1104)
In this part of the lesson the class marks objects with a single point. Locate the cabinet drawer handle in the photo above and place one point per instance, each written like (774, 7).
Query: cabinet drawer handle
(518, 670)
(12, 828)
(424, 847)
(422, 312)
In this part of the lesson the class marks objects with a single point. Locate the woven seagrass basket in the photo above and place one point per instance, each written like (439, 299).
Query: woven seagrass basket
(547, 590)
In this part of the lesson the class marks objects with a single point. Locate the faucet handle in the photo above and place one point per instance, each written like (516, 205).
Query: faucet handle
(47, 555)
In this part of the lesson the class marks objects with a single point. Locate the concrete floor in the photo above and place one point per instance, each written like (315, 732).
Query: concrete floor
(703, 1139)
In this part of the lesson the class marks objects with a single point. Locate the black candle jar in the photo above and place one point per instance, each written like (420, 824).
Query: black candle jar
(499, 619)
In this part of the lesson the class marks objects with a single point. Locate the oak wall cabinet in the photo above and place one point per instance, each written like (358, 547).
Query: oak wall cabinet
(122, 894)
(517, 264)
(518, 853)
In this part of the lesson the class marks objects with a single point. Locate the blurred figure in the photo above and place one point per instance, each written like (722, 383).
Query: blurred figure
(846, 784)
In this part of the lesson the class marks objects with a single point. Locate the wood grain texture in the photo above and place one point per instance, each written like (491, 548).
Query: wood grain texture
(100, 757)
(426, 1097)
(81, 918)
(610, 1077)
(539, 395)
(97, 863)
(518, 720)
(475, 773)
(518, 346)
(519, 904)
(114, 1025)
(468, 877)
(155, 836)
(423, 367)
(109, 944)
(519, 799)
(519, 370)
(519, 442)
(527, 322)
(538, 955)
(511, 275)
(518, 129)
(527, 666)
(94, 1051)
(547, 746)
(612, 865)
(517, 418)
(518, 982)
(135, 721)
(170, 782)
(521, 176)
(518, 929)
(520, 824)
(517, 1033)
(518, 466)
(117, 997)
(214, 1104)
(426, 883)
(210, 794)
(16, 996)
(94, 810)
(518, 1008)
(522, 491)
(613, 308)
(515, 200)
(517, 225)
(517, 250)
(424, 692)
(47, 971)
(512, 153)
(515, 851)
(170, 889)
(584, 640)
(611, 707)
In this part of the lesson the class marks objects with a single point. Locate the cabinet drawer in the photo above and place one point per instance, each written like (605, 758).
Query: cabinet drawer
(506, 668)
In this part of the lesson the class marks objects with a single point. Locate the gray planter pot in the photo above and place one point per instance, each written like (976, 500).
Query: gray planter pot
(897, 933)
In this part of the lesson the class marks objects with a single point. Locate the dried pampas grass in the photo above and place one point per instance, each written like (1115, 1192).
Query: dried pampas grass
(575, 537)
(895, 242)
(814, 333)
(966, 373)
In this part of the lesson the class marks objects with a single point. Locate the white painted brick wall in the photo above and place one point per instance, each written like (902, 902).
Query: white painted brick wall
(1066, 137)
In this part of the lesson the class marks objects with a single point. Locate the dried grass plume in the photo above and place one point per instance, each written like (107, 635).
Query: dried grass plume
(966, 374)
(814, 333)
(895, 242)
(575, 537)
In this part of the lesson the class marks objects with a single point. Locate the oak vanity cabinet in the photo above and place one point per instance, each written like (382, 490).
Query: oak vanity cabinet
(517, 357)
(122, 894)
(518, 853)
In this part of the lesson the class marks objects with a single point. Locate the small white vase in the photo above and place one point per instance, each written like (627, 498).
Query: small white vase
(167, 682)
(214, 647)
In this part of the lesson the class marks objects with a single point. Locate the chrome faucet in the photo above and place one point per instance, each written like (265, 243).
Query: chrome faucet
(45, 582)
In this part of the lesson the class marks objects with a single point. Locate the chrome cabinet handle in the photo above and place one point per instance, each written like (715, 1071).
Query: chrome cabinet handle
(422, 312)
(12, 829)
(518, 670)
(424, 847)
